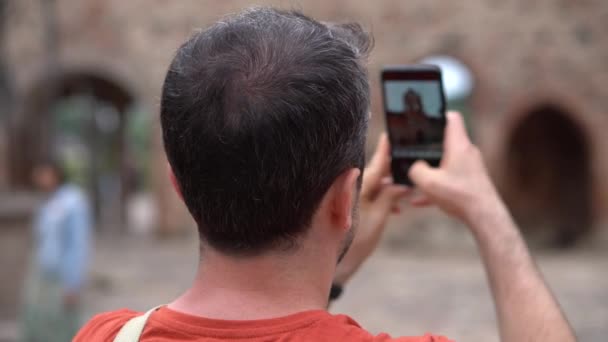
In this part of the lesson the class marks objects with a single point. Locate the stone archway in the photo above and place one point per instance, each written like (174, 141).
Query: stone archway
(102, 106)
(548, 175)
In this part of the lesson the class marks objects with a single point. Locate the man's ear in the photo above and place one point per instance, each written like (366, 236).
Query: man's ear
(343, 197)
(174, 181)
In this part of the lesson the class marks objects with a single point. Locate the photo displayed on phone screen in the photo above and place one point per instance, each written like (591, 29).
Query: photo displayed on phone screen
(415, 119)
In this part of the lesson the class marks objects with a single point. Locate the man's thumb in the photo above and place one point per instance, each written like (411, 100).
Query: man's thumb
(422, 174)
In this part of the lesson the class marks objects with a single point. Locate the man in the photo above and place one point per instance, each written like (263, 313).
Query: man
(62, 228)
(264, 117)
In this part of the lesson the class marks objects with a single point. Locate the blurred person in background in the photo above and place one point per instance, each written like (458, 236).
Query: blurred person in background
(62, 230)
(264, 118)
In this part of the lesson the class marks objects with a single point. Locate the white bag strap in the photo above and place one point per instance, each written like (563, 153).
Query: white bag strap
(131, 331)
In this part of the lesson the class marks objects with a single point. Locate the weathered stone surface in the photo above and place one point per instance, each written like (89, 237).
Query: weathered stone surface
(522, 53)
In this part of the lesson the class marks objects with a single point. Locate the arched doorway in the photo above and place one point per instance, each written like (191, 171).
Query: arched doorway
(92, 124)
(548, 177)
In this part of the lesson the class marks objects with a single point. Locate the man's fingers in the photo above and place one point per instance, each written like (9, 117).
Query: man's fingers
(387, 180)
(380, 164)
(420, 200)
(455, 131)
(422, 174)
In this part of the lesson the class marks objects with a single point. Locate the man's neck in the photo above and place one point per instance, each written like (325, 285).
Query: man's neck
(260, 287)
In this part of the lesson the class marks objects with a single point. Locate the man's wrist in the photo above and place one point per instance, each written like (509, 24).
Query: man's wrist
(489, 215)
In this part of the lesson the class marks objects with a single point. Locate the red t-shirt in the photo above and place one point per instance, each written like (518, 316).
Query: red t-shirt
(166, 325)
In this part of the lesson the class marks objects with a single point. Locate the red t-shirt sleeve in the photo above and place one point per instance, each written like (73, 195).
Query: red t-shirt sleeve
(105, 326)
(425, 338)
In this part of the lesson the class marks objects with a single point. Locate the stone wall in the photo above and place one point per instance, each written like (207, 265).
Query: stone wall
(522, 53)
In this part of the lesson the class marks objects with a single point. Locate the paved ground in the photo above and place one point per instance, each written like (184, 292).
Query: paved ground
(403, 291)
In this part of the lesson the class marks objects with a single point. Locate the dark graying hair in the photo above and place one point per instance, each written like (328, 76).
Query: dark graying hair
(260, 113)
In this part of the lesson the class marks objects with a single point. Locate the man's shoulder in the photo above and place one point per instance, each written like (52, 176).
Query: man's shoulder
(105, 326)
(347, 329)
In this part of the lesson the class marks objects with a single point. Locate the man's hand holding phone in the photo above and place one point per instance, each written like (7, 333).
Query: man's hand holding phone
(461, 187)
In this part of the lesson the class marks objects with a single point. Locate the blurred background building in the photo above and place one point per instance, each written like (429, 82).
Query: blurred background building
(81, 79)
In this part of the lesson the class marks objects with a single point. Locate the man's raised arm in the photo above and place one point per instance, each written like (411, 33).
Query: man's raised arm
(526, 309)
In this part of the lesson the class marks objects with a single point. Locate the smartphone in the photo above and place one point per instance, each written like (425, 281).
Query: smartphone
(414, 107)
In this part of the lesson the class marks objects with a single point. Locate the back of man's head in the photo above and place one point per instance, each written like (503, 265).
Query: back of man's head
(260, 114)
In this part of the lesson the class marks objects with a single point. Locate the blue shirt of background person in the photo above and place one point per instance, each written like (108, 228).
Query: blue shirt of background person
(63, 229)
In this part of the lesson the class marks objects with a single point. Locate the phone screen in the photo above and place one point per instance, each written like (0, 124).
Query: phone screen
(415, 115)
